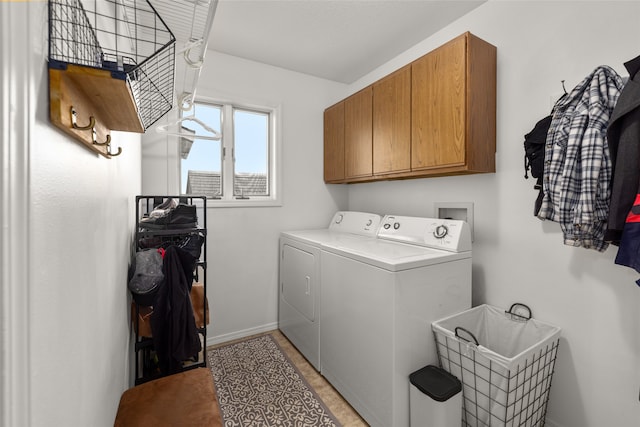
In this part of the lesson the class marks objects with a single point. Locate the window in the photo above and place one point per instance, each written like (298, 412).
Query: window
(240, 168)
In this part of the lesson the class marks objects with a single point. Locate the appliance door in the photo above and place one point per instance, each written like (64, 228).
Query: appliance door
(376, 328)
(299, 297)
(357, 335)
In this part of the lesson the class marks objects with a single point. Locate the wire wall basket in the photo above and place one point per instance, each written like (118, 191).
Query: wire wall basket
(125, 37)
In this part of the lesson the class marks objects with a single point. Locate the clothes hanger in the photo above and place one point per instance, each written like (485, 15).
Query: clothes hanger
(165, 129)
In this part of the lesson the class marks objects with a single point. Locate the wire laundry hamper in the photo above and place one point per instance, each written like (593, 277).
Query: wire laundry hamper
(505, 361)
(127, 38)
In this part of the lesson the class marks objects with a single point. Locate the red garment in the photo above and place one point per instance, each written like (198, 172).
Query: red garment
(629, 250)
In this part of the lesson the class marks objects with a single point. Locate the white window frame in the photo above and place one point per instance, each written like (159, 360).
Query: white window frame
(227, 167)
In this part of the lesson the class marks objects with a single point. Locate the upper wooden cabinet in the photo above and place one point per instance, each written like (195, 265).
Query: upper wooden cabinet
(453, 108)
(435, 116)
(358, 134)
(334, 143)
(392, 123)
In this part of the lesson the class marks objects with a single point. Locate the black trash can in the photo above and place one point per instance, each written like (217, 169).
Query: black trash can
(435, 398)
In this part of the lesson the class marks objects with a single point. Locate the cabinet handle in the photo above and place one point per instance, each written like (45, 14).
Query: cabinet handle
(308, 285)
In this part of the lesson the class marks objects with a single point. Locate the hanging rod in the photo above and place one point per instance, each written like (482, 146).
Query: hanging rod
(197, 43)
(190, 22)
(185, 17)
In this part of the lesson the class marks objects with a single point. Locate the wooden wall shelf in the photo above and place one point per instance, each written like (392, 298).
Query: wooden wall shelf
(111, 67)
(91, 93)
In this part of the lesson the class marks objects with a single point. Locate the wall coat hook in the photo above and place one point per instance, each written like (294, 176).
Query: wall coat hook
(95, 139)
(106, 144)
(74, 121)
(113, 154)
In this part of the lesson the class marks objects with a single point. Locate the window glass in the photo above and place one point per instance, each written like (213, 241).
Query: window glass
(251, 151)
(238, 169)
(201, 159)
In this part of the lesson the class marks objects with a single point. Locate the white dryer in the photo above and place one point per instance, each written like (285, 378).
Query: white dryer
(299, 301)
(379, 297)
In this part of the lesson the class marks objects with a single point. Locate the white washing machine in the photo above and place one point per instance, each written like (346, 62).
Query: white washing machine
(299, 305)
(378, 299)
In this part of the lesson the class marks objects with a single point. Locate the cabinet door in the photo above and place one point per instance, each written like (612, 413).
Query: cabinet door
(334, 143)
(438, 107)
(358, 132)
(392, 123)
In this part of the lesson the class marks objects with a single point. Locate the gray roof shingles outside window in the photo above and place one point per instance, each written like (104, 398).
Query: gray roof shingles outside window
(210, 184)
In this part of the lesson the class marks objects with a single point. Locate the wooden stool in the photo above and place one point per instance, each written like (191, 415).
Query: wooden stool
(184, 399)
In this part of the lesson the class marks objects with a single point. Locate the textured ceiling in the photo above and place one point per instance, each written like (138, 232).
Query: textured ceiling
(340, 40)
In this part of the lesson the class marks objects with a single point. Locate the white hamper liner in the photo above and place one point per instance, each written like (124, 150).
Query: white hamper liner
(504, 360)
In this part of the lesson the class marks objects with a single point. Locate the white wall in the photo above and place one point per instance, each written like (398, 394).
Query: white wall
(516, 256)
(243, 242)
(72, 297)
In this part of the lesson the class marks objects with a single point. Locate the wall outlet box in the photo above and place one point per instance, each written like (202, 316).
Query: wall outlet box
(462, 211)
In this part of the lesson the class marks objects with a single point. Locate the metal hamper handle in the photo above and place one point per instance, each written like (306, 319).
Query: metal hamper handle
(460, 328)
(516, 316)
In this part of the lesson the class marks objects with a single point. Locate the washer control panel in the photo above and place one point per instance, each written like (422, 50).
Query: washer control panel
(446, 234)
(363, 223)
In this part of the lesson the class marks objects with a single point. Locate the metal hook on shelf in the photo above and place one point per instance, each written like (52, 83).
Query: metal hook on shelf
(113, 154)
(95, 139)
(74, 123)
(106, 143)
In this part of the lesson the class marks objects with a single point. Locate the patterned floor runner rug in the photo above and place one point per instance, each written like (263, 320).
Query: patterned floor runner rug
(258, 386)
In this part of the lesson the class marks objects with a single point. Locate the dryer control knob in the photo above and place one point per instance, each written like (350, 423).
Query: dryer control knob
(440, 231)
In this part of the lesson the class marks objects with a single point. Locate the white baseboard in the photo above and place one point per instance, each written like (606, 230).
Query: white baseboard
(218, 339)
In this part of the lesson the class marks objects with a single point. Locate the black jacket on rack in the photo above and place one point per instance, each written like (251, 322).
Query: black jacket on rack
(623, 137)
(175, 336)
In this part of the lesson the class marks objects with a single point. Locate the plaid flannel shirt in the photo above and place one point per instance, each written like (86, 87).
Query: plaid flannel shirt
(577, 170)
